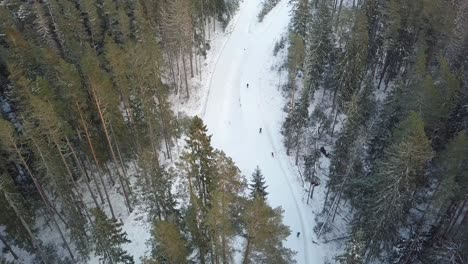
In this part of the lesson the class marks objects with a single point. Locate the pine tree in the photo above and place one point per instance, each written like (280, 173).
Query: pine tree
(258, 187)
(15, 207)
(109, 238)
(106, 103)
(265, 233)
(223, 216)
(9, 143)
(169, 245)
(177, 33)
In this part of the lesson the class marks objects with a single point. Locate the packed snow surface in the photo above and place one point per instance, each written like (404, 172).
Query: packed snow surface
(234, 112)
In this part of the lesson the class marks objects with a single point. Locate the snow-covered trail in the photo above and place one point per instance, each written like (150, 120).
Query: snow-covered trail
(234, 114)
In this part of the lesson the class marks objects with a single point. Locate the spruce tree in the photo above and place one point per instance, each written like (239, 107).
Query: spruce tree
(318, 48)
(300, 15)
(397, 176)
(199, 159)
(109, 238)
(199, 168)
(258, 187)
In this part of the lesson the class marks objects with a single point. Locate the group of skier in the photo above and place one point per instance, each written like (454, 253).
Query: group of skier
(273, 155)
(260, 131)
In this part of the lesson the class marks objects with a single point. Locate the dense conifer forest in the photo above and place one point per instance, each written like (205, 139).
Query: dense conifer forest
(388, 84)
(90, 132)
(85, 89)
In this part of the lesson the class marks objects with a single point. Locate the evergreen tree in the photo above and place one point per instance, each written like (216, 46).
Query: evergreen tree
(258, 187)
(319, 45)
(355, 251)
(265, 233)
(391, 189)
(168, 244)
(352, 66)
(199, 167)
(452, 164)
(199, 160)
(224, 215)
(109, 238)
(295, 61)
(300, 15)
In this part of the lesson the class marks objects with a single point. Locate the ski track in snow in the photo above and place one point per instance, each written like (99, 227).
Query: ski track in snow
(234, 113)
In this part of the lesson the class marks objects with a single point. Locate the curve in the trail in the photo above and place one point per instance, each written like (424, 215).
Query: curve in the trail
(232, 27)
(234, 112)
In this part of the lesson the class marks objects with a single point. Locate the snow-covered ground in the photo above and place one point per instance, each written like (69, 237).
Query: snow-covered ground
(234, 113)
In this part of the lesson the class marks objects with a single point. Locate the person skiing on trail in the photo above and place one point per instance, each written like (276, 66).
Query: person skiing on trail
(298, 234)
(273, 154)
(247, 85)
(260, 131)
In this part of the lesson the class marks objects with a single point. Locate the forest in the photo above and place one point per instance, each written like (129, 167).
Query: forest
(90, 132)
(382, 84)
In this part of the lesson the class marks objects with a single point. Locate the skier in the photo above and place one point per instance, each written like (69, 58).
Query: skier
(273, 154)
(247, 85)
(260, 131)
(324, 152)
(298, 234)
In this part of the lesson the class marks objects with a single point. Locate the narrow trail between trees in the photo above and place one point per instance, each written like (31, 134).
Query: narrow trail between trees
(234, 113)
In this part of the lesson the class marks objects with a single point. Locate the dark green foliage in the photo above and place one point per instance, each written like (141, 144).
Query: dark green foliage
(267, 6)
(168, 245)
(381, 162)
(109, 238)
(390, 189)
(300, 16)
(319, 46)
(265, 234)
(258, 185)
(199, 157)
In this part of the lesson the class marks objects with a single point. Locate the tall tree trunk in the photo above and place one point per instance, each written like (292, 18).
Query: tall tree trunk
(78, 164)
(191, 62)
(297, 146)
(338, 14)
(309, 196)
(223, 235)
(8, 247)
(326, 198)
(167, 140)
(77, 198)
(49, 206)
(458, 217)
(185, 76)
(34, 241)
(91, 147)
(67, 246)
(122, 164)
(111, 149)
(93, 175)
(38, 186)
(247, 252)
(101, 178)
